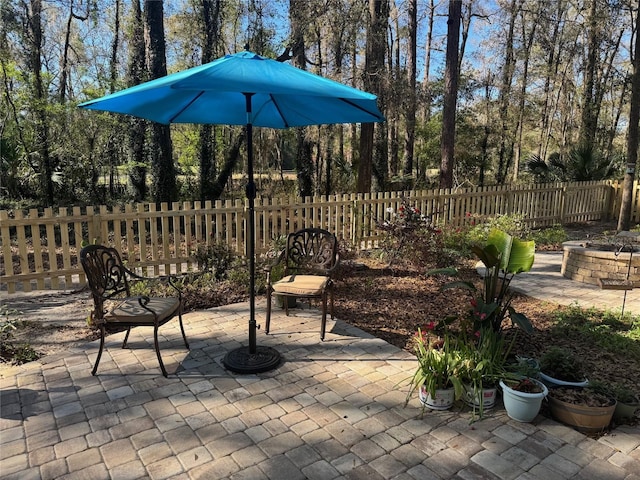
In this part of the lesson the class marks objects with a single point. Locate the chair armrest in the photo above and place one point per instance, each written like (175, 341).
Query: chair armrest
(269, 266)
(168, 279)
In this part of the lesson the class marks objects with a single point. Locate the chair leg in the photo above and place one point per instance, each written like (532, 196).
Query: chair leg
(184, 337)
(331, 302)
(155, 342)
(126, 337)
(95, 365)
(268, 320)
(324, 316)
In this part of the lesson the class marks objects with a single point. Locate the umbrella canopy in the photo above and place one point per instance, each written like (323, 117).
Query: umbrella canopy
(282, 96)
(245, 89)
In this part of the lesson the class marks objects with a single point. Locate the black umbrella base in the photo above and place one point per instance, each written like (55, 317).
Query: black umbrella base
(241, 360)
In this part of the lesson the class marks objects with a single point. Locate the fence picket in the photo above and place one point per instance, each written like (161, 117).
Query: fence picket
(40, 250)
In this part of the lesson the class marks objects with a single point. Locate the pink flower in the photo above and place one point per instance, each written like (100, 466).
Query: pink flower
(477, 334)
(474, 302)
(430, 326)
(483, 316)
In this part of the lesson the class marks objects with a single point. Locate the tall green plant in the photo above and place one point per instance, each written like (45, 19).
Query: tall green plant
(503, 257)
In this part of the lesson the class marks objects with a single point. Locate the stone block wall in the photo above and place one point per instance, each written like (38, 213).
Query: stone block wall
(587, 265)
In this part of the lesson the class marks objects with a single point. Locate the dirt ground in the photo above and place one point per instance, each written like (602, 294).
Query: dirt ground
(390, 304)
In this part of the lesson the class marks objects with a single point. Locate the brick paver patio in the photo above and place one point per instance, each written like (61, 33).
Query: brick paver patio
(333, 409)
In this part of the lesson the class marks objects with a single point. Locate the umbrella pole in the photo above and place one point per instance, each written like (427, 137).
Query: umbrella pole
(251, 359)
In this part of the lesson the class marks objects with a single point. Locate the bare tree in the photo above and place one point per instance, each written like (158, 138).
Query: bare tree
(160, 147)
(505, 151)
(304, 166)
(209, 13)
(410, 112)
(64, 63)
(624, 219)
(450, 94)
(136, 74)
(372, 150)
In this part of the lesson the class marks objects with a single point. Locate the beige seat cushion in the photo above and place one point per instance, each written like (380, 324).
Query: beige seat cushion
(311, 285)
(130, 311)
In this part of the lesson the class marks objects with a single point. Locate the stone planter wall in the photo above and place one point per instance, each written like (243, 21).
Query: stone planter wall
(587, 265)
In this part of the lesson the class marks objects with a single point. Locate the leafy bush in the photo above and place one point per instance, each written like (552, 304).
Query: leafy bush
(216, 258)
(16, 353)
(554, 235)
(514, 225)
(560, 363)
(411, 237)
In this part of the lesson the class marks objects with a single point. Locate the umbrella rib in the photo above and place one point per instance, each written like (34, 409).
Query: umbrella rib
(172, 119)
(345, 100)
(284, 120)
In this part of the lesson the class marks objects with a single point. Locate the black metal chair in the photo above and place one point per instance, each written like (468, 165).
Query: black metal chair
(108, 280)
(310, 258)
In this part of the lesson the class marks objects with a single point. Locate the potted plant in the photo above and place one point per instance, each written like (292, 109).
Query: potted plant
(627, 400)
(628, 403)
(437, 377)
(587, 409)
(485, 359)
(522, 393)
(561, 367)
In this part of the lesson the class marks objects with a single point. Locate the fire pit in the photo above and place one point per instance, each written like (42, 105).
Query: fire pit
(605, 265)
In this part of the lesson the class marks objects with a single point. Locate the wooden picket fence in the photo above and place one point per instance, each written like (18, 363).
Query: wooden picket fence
(40, 247)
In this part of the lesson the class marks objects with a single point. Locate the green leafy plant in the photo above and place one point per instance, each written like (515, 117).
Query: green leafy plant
(481, 228)
(439, 363)
(216, 258)
(503, 257)
(560, 363)
(16, 353)
(484, 360)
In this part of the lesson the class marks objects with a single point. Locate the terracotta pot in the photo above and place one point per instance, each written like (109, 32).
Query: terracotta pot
(581, 417)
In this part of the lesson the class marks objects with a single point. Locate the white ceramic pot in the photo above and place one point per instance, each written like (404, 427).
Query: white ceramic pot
(522, 406)
(443, 399)
(488, 396)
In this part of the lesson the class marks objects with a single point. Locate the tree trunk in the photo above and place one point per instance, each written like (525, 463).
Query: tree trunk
(164, 174)
(527, 42)
(297, 17)
(505, 150)
(624, 219)
(450, 94)
(40, 97)
(373, 152)
(588, 126)
(210, 14)
(410, 113)
(551, 71)
(427, 65)
(230, 162)
(137, 127)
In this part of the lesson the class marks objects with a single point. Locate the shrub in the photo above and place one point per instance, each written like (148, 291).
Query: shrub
(411, 237)
(514, 225)
(215, 258)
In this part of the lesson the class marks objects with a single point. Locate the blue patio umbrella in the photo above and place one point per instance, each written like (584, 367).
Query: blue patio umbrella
(251, 90)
